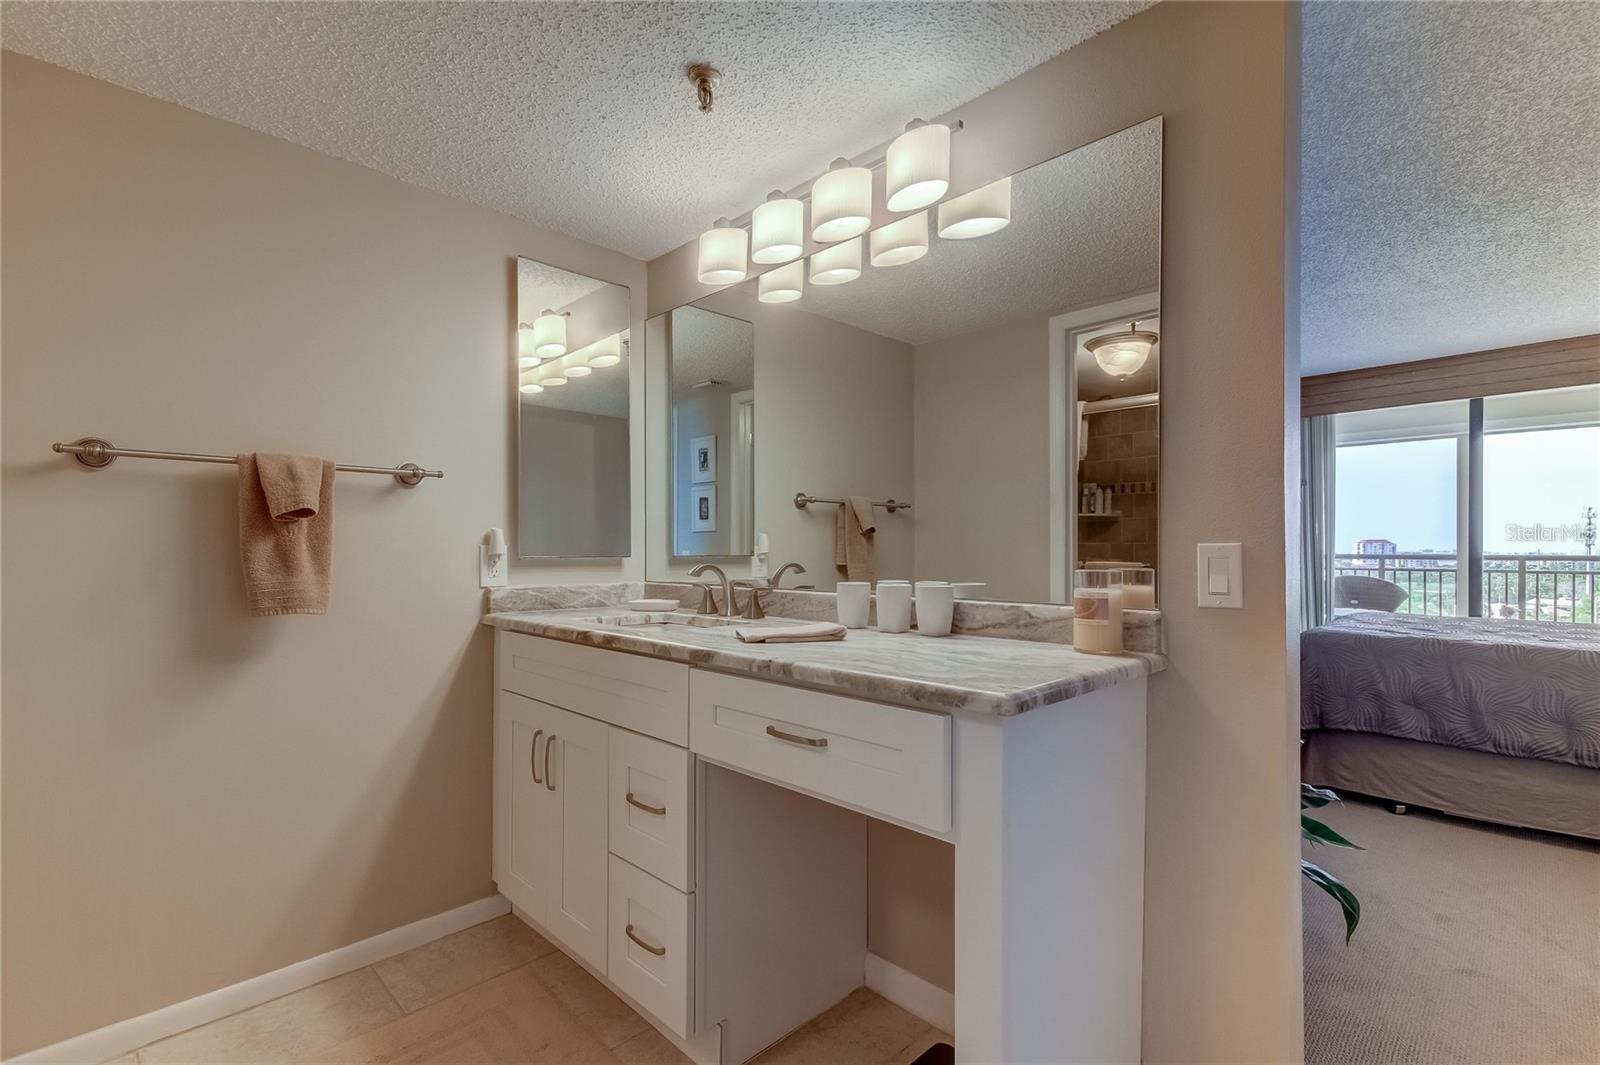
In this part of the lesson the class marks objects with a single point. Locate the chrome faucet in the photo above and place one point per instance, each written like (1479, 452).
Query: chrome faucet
(708, 599)
(774, 580)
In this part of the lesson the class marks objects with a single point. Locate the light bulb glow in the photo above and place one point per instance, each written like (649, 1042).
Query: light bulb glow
(777, 230)
(901, 242)
(723, 249)
(977, 213)
(837, 265)
(550, 335)
(917, 167)
(552, 380)
(530, 388)
(577, 370)
(841, 202)
(783, 285)
(527, 362)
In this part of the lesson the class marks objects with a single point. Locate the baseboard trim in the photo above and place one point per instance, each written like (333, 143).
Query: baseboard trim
(912, 993)
(114, 1040)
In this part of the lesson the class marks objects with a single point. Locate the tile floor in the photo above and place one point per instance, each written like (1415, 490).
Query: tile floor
(500, 994)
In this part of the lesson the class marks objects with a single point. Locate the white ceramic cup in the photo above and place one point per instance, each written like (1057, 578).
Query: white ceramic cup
(894, 606)
(854, 599)
(935, 607)
(970, 589)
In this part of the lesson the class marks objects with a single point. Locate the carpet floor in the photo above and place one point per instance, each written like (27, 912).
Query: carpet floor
(1478, 945)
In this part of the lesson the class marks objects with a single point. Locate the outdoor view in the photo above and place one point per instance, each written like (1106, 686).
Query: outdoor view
(1397, 514)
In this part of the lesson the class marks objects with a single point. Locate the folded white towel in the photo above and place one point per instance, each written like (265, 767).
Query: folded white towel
(813, 633)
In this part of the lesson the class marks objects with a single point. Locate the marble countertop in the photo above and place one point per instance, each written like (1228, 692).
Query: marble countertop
(950, 674)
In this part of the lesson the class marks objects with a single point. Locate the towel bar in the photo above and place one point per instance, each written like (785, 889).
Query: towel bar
(96, 454)
(801, 501)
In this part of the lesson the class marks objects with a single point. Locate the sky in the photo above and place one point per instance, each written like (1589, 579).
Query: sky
(1406, 492)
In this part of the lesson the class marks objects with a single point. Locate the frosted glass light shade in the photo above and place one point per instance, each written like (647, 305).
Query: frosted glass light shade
(723, 249)
(777, 230)
(607, 351)
(527, 362)
(900, 242)
(838, 264)
(530, 388)
(783, 285)
(917, 169)
(977, 213)
(550, 335)
(552, 379)
(577, 370)
(1122, 354)
(525, 343)
(841, 203)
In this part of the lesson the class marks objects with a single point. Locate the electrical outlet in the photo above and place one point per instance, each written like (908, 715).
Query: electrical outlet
(491, 575)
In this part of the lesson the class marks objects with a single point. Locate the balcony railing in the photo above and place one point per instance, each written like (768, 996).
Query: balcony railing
(1531, 587)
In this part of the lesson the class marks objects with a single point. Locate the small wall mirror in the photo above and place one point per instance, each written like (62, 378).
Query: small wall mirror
(573, 374)
(993, 399)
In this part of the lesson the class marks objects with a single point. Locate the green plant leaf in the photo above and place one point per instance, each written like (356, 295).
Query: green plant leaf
(1314, 832)
(1342, 895)
(1312, 798)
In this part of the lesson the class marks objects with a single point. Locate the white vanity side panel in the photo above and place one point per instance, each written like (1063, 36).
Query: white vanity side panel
(655, 774)
(880, 759)
(644, 694)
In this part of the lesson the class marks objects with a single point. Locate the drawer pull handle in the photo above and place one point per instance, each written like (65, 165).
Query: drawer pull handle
(549, 781)
(657, 951)
(788, 737)
(659, 811)
(533, 756)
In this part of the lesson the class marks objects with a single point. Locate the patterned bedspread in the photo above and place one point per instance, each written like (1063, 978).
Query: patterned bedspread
(1524, 688)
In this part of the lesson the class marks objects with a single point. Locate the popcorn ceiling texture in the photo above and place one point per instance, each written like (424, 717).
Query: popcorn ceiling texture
(1450, 187)
(576, 116)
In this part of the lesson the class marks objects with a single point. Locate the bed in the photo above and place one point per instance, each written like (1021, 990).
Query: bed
(1489, 719)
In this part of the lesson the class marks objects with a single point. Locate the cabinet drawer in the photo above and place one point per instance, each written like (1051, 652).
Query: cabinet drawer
(880, 759)
(652, 925)
(651, 806)
(643, 694)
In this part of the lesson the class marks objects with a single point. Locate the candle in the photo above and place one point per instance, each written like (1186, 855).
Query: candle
(1097, 611)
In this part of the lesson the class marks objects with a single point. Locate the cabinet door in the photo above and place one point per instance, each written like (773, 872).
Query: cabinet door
(576, 913)
(525, 859)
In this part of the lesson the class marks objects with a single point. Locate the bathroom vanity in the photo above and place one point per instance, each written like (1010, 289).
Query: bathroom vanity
(684, 814)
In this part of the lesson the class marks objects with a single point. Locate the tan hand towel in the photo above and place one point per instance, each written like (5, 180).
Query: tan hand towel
(286, 532)
(815, 632)
(852, 539)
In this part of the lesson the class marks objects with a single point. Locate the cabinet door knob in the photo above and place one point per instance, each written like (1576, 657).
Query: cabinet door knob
(549, 780)
(657, 951)
(659, 811)
(533, 756)
(789, 737)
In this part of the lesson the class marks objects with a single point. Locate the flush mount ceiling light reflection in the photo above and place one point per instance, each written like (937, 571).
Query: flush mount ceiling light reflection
(916, 170)
(723, 248)
(837, 265)
(777, 230)
(782, 285)
(900, 242)
(977, 213)
(550, 335)
(1122, 354)
(841, 203)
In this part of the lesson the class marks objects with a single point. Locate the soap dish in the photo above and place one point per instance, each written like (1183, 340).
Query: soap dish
(653, 604)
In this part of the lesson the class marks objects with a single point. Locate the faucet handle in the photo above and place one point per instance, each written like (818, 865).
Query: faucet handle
(752, 604)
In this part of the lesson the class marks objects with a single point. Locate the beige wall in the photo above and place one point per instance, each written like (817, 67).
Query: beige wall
(811, 372)
(983, 460)
(1222, 957)
(193, 796)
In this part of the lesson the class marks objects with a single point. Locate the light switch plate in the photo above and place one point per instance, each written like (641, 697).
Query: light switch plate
(1219, 575)
(494, 576)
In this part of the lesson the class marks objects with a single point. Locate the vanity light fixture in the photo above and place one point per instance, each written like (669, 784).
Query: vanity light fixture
(607, 351)
(977, 213)
(916, 170)
(550, 334)
(900, 242)
(837, 265)
(552, 380)
(576, 370)
(777, 230)
(527, 362)
(723, 248)
(841, 203)
(530, 388)
(783, 285)
(1121, 354)
(525, 345)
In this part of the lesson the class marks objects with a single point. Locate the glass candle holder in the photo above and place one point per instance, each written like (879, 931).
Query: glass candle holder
(1139, 589)
(1097, 611)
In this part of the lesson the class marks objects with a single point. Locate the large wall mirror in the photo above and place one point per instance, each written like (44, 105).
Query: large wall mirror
(1002, 392)
(573, 459)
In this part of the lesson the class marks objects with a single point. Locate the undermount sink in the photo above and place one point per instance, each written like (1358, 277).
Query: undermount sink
(642, 619)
